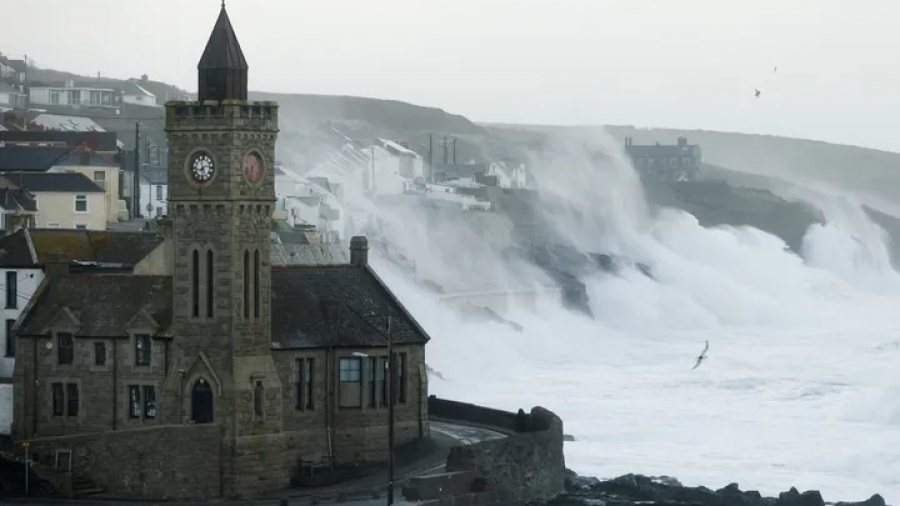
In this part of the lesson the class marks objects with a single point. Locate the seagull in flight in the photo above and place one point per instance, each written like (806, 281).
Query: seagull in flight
(758, 93)
(702, 356)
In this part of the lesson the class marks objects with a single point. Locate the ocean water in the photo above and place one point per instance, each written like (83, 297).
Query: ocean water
(802, 384)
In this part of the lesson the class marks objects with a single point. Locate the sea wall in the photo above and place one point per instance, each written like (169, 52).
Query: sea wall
(526, 465)
(163, 462)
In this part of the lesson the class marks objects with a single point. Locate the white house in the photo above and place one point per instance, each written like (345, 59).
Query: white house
(135, 94)
(154, 191)
(19, 284)
(11, 96)
(73, 93)
(508, 174)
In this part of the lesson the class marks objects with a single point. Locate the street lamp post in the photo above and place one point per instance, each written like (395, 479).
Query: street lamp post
(390, 397)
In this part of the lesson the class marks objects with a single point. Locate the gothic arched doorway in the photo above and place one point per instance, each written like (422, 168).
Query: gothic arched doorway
(201, 402)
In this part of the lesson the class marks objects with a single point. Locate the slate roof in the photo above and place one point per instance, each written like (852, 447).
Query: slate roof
(336, 306)
(223, 51)
(63, 182)
(101, 306)
(94, 246)
(102, 141)
(31, 158)
(308, 254)
(154, 174)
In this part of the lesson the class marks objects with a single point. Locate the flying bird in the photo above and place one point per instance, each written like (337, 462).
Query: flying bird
(776, 69)
(702, 356)
(758, 93)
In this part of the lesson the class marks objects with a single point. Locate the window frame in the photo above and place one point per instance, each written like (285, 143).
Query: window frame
(65, 355)
(76, 200)
(143, 355)
(12, 289)
(347, 376)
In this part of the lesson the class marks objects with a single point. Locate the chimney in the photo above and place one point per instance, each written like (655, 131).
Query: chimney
(682, 141)
(359, 251)
(56, 266)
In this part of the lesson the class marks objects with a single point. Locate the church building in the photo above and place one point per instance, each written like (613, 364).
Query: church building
(213, 372)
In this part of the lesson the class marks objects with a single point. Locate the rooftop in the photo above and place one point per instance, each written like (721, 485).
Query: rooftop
(53, 182)
(34, 247)
(102, 306)
(336, 305)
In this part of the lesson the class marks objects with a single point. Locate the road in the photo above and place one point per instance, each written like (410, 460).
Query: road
(356, 493)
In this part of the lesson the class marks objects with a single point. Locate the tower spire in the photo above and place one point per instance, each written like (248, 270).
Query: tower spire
(222, 71)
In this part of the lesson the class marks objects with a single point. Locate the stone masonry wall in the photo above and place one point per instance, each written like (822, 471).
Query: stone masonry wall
(165, 462)
(526, 465)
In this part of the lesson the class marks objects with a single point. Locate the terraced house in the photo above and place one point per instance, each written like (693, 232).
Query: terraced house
(221, 371)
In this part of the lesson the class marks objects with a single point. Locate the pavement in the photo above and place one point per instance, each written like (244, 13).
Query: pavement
(369, 489)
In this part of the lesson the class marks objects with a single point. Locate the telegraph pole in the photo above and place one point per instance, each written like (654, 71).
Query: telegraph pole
(136, 184)
(454, 151)
(430, 178)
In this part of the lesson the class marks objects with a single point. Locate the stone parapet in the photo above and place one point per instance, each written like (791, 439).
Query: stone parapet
(525, 466)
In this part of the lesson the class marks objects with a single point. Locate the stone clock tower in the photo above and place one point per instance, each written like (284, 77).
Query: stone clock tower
(221, 198)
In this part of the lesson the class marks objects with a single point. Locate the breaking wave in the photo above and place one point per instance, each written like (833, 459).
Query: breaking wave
(803, 347)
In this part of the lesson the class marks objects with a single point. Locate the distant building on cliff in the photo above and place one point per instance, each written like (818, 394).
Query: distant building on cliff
(225, 374)
(667, 162)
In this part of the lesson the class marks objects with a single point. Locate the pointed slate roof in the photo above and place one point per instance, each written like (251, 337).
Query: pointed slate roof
(222, 69)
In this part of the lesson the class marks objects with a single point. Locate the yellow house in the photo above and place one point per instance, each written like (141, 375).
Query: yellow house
(64, 199)
(99, 169)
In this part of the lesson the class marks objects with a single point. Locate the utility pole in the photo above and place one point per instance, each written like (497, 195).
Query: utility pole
(454, 151)
(444, 146)
(430, 177)
(391, 395)
(136, 184)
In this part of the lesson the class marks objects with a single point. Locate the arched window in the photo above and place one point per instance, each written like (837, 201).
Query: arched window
(257, 399)
(256, 283)
(246, 284)
(195, 284)
(210, 284)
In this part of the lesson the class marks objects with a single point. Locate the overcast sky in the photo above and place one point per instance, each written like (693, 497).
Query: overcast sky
(665, 63)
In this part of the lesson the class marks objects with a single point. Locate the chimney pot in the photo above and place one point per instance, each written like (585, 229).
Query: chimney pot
(359, 251)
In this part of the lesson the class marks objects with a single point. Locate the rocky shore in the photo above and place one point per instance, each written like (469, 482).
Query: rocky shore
(635, 489)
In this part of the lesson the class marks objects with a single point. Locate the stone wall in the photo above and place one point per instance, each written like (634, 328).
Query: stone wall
(526, 465)
(152, 462)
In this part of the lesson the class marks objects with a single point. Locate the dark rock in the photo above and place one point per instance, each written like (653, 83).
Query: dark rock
(635, 489)
(875, 500)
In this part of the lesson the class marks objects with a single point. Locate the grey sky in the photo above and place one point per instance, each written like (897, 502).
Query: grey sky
(666, 63)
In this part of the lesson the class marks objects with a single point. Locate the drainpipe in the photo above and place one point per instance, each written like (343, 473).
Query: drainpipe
(329, 415)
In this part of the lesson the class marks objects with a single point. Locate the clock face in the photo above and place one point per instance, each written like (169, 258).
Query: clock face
(253, 166)
(202, 167)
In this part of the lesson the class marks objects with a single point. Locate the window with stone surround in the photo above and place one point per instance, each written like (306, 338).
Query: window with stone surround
(59, 399)
(256, 284)
(149, 402)
(143, 349)
(382, 380)
(99, 353)
(195, 284)
(81, 204)
(303, 384)
(141, 402)
(401, 377)
(65, 351)
(350, 391)
(12, 290)
(258, 399)
(72, 399)
(134, 401)
(246, 284)
(372, 385)
(10, 338)
(210, 284)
